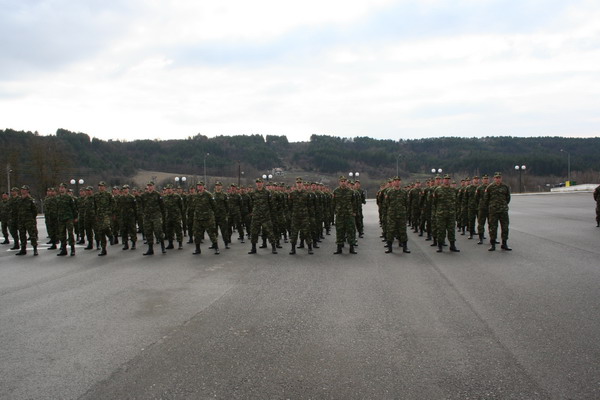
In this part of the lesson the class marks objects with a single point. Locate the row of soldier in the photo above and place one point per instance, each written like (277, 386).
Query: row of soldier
(440, 208)
(305, 211)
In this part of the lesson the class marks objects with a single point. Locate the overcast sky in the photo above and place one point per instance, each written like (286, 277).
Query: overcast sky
(133, 69)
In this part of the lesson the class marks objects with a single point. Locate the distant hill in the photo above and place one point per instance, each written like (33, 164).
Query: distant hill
(46, 160)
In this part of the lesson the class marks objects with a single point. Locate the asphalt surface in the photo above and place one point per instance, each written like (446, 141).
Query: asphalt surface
(471, 325)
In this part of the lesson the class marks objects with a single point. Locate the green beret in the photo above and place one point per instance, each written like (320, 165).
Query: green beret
(125, 186)
(151, 183)
(446, 176)
(467, 179)
(498, 174)
(62, 184)
(14, 189)
(475, 177)
(89, 188)
(218, 183)
(485, 176)
(396, 178)
(101, 183)
(200, 183)
(258, 180)
(24, 187)
(342, 178)
(169, 186)
(438, 176)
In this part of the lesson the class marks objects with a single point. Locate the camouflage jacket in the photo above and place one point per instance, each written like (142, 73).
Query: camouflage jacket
(65, 207)
(103, 204)
(497, 197)
(444, 199)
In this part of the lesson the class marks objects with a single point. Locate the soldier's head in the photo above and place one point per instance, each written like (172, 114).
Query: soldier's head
(218, 187)
(299, 183)
(150, 187)
(475, 180)
(200, 186)
(485, 179)
(125, 189)
(418, 184)
(343, 181)
(4, 196)
(446, 180)
(467, 181)
(62, 188)
(169, 189)
(14, 192)
(498, 178)
(259, 184)
(396, 182)
(438, 180)
(24, 191)
(102, 186)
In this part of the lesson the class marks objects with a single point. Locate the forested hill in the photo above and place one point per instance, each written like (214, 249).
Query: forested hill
(34, 158)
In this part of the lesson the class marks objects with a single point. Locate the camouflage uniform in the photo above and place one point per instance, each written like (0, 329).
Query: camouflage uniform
(103, 209)
(472, 207)
(235, 213)
(496, 198)
(4, 217)
(27, 222)
(396, 201)
(51, 217)
(221, 215)
(344, 204)
(127, 210)
(262, 206)
(299, 210)
(173, 219)
(444, 199)
(203, 206)
(89, 212)
(13, 217)
(66, 214)
(153, 210)
(482, 210)
(597, 198)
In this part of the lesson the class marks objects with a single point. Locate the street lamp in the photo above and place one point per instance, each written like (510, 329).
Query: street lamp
(568, 166)
(267, 177)
(520, 168)
(434, 170)
(397, 164)
(206, 155)
(182, 180)
(77, 182)
(8, 171)
(353, 174)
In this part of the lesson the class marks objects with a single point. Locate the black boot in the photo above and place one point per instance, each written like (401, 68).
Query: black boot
(504, 246)
(53, 247)
(115, 240)
(278, 245)
(314, 245)
(435, 243)
(440, 247)
(253, 250)
(150, 250)
(352, 251)
(453, 247)
(216, 247)
(35, 252)
(23, 251)
(428, 237)
(90, 246)
(197, 251)
(241, 239)
(293, 251)
(339, 249)
(405, 248)
(493, 245)
(162, 246)
(273, 248)
(264, 244)
(170, 246)
(5, 241)
(310, 249)
(103, 252)
(463, 231)
(180, 243)
(389, 246)
(480, 238)
(301, 246)
(15, 246)
(72, 250)
(191, 240)
(125, 245)
(63, 251)
(471, 233)
(132, 245)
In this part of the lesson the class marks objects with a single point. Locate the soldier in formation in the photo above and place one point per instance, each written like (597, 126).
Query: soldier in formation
(597, 198)
(344, 205)
(496, 199)
(66, 217)
(27, 221)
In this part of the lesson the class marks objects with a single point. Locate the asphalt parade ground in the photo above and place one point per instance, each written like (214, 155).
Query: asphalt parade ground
(523, 324)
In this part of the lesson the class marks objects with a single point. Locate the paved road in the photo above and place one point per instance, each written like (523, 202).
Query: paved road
(507, 325)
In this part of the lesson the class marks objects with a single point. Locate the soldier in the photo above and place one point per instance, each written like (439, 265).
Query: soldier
(482, 211)
(434, 229)
(222, 213)
(27, 220)
(361, 199)
(262, 206)
(4, 217)
(299, 209)
(51, 217)
(396, 200)
(103, 208)
(235, 212)
(190, 214)
(115, 220)
(173, 217)
(444, 199)
(66, 217)
(153, 210)
(80, 206)
(344, 204)
(13, 216)
(127, 209)
(472, 205)
(426, 209)
(203, 207)
(597, 198)
(416, 195)
(497, 197)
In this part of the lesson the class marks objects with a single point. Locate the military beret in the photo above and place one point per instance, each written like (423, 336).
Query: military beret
(454, 182)
(417, 181)
(233, 185)
(200, 183)
(446, 176)
(151, 183)
(169, 186)
(485, 176)
(70, 190)
(258, 180)
(63, 184)
(218, 183)
(475, 177)
(342, 178)
(24, 187)
(116, 188)
(467, 179)
(89, 188)
(357, 181)
(299, 179)
(498, 174)
(101, 183)
(438, 176)
(125, 186)
(51, 189)
(397, 178)
(14, 189)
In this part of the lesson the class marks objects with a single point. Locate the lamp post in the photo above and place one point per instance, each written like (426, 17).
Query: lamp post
(568, 166)
(436, 170)
(8, 171)
(77, 182)
(398, 164)
(520, 168)
(353, 174)
(182, 180)
(267, 177)
(206, 155)
(239, 173)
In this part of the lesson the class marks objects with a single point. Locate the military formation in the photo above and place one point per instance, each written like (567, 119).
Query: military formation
(99, 217)
(441, 208)
(269, 213)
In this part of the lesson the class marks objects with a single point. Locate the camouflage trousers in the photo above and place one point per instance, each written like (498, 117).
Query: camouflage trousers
(153, 228)
(360, 226)
(128, 229)
(5, 228)
(300, 226)
(65, 231)
(28, 227)
(494, 218)
(89, 228)
(445, 223)
(52, 227)
(264, 224)
(482, 216)
(598, 211)
(471, 217)
(173, 229)
(102, 229)
(205, 225)
(235, 222)
(222, 224)
(115, 225)
(13, 228)
(345, 229)
(396, 228)
(416, 217)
